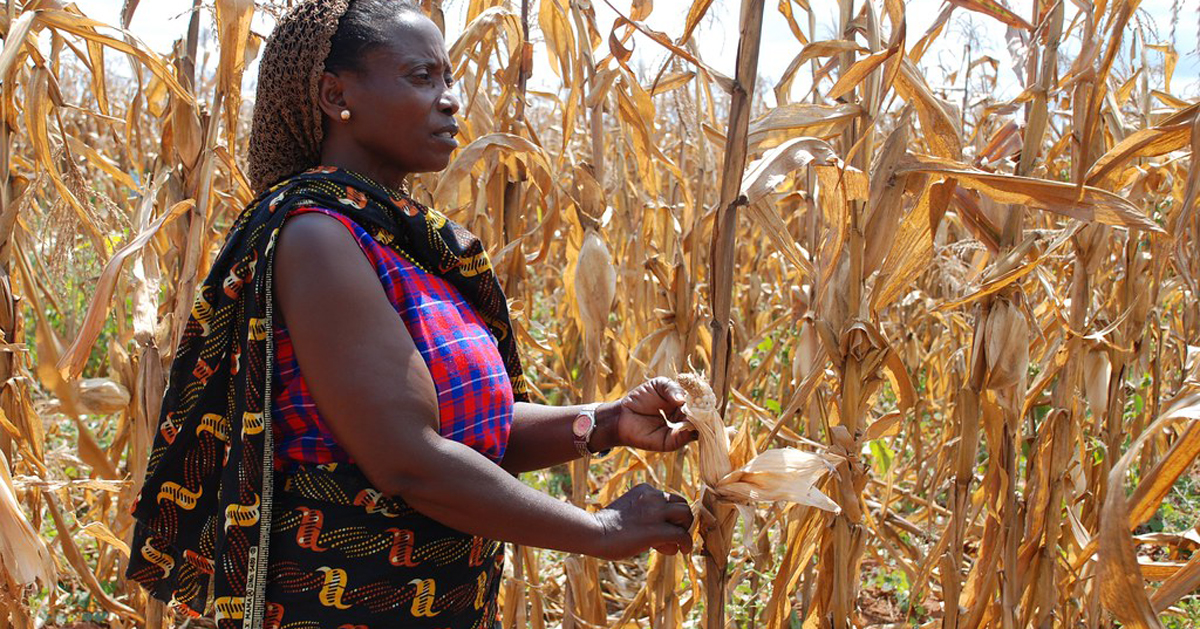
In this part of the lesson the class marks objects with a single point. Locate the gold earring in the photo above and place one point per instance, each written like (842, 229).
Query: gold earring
(345, 115)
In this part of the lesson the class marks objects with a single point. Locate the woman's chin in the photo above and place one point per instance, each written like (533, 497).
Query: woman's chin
(435, 165)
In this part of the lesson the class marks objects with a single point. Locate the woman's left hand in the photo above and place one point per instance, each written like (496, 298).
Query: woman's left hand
(641, 424)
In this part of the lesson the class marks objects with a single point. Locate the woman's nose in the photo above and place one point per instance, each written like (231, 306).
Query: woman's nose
(448, 103)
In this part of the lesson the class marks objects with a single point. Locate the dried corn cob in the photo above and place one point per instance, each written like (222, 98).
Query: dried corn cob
(781, 474)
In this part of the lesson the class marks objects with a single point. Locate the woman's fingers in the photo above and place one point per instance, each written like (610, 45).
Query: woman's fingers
(677, 534)
(651, 518)
(678, 537)
(679, 514)
(676, 510)
(681, 436)
(669, 390)
(656, 394)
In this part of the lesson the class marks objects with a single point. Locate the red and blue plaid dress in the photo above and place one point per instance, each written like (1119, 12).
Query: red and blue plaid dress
(475, 396)
(342, 553)
(318, 545)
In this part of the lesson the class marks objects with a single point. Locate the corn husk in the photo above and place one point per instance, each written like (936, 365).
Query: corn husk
(782, 474)
(101, 396)
(808, 353)
(667, 356)
(595, 285)
(1097, 369)
(1007, 345)
(1192, 363)
(187, 135)
(701, 412)
(23, 555)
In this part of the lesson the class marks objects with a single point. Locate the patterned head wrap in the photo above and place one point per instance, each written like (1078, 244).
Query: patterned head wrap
(286, 133)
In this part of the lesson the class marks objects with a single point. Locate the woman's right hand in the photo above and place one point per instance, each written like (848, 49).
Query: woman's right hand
(643, 518)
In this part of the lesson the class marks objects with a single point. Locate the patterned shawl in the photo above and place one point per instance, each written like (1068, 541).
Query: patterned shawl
(203, 515)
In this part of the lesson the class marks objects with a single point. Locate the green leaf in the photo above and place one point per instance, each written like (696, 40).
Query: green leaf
(881, 456)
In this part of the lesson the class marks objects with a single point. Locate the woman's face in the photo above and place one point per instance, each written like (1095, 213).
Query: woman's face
(402, 110)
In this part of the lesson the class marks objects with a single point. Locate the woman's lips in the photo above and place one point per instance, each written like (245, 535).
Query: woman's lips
(446, 136)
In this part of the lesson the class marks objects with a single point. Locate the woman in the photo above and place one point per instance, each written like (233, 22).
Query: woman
(360, 354)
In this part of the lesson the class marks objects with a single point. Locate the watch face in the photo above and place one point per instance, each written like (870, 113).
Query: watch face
(582, 424)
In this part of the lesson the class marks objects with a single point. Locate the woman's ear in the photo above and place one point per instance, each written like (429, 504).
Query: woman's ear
(331, 95)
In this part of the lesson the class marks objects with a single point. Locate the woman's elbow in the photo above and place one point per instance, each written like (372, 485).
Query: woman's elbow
(407, 472)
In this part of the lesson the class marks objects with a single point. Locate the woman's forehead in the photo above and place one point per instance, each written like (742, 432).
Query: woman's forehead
(415, 39)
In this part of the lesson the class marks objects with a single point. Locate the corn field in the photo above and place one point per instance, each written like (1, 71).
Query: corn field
(979, 315)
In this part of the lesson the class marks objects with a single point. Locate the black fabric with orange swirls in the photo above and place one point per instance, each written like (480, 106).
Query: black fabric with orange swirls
(383, 565)
(203, 514)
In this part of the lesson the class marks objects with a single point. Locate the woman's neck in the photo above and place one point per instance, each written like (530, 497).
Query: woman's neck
(357, 161)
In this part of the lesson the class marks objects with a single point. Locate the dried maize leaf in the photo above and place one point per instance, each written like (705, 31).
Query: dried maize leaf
(101, 532)
(72, 362)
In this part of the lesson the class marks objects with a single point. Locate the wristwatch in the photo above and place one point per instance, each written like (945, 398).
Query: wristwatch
(582, 429)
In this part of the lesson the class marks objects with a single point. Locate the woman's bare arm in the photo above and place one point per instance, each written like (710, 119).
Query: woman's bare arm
(648, 418)
(541, 436)
(375, 392)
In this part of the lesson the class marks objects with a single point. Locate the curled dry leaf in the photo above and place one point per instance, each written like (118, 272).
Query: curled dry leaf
(801, 118)
(768, 174)
(1150, 142)
(1080, 202)
(765, 175)
(996, 10)
(101, 532)
(448, 191)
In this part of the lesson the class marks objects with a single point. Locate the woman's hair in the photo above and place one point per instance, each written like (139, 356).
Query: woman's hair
(312, 37)
(363, 27)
